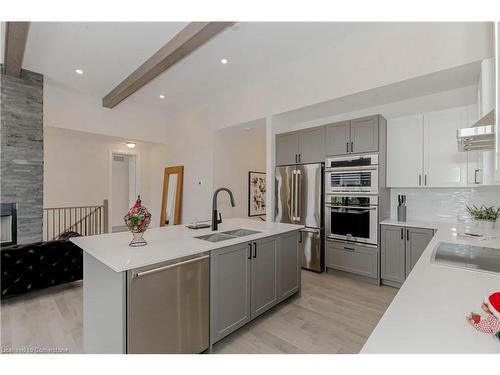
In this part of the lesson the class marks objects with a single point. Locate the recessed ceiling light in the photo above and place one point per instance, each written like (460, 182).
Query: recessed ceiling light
(79, 71)
(162, 96)
(248, 129)
(224, 61)
(130, 144)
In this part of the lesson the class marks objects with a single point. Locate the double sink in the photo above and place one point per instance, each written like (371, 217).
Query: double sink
(227, 235)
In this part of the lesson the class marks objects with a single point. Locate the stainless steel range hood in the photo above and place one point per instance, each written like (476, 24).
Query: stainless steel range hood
(481, 136)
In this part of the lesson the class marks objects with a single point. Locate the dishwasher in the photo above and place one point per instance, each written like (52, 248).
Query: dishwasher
(168, 306)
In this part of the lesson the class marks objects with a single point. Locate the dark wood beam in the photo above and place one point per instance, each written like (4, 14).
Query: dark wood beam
(192, 37)
(16, 35)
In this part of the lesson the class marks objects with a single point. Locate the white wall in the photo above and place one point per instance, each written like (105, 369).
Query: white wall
(385, 54)
(237, 152)
(131, 120)
(77, 169)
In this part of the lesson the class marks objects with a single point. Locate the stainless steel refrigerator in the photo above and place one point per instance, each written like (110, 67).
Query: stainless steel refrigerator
(299, 200)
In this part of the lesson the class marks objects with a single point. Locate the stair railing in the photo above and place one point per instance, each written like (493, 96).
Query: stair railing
(85, 220)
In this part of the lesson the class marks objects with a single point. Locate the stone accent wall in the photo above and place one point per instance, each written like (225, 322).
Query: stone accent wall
(21, 151)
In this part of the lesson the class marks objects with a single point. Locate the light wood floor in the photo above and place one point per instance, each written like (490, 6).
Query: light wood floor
(334, 314)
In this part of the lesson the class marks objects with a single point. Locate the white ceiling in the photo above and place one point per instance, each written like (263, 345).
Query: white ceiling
(108, 52)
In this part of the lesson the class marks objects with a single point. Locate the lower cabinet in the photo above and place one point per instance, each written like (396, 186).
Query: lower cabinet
(264, 276)
(353, 258)
(417, 240)
(288, 266)
(248, 279)
(401, 247)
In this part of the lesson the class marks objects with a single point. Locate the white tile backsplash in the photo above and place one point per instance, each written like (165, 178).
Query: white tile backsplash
(443, 204)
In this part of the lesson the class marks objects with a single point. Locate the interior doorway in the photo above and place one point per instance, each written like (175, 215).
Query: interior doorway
(123, 188)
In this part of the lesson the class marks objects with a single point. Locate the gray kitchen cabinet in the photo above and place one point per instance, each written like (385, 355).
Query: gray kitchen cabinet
(305, 146)
(288, 266)
(355, 136)
(353, 258)
(311, 145)
(364, 134)
(400, 249)
(417, 240)
(248, 279)
(264, 292)
(392, 242)
(230, 287)
(337, 138)
(287, 148)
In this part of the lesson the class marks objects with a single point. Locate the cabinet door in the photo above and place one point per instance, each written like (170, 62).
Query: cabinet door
(311, 145)
(392, 261)
(288, 266)
(364, 134)
(264, 277)
(405, 151)
(444, 165)
(287, 148)
(337, 138)
(229, 289)
(417, 240)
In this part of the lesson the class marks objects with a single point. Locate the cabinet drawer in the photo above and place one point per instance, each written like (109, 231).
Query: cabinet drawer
(361, 260)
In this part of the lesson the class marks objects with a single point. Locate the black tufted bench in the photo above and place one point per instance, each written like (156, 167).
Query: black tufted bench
(39, 265)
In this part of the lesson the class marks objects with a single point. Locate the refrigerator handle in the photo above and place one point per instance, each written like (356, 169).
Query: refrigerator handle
(297, 197)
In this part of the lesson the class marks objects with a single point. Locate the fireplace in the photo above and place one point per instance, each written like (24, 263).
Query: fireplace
(8, 224)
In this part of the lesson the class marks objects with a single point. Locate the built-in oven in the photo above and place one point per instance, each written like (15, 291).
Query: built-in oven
(352, 217)
(355, 173)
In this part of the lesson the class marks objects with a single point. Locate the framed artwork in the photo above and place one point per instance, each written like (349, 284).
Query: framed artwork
(256, 193)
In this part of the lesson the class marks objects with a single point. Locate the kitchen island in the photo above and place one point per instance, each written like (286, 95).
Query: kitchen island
(180, 293)
(428, 313)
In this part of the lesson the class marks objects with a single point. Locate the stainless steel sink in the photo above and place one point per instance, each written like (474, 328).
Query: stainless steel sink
(216, 237)
(241, 232)
(227, 235)
(477, 258)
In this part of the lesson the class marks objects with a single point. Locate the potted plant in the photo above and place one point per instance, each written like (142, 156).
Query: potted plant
(484, 216)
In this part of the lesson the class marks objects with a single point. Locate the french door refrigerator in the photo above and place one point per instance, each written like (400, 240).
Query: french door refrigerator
(299, 200)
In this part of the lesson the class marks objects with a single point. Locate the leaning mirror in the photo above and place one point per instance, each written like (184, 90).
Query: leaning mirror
(172, 196)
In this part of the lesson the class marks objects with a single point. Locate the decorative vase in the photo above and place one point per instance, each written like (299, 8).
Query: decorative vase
(137, 220)
(481, 224)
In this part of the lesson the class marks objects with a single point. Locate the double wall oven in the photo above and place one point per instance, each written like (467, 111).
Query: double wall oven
(351, 198)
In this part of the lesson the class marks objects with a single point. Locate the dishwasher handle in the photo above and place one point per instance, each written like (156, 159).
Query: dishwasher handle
(170, 266)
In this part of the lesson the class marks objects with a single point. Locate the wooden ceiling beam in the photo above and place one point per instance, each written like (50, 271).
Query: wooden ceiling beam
(192, 37)
(16, 36)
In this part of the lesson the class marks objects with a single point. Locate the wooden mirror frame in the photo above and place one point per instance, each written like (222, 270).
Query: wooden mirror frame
(179, 171)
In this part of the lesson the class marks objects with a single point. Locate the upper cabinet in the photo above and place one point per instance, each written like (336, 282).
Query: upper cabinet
(354, 136)
(405, 151)
(422, 150)
(304, 146)
(314, 144)
(311, 145)
(444, 165)
(338, 138)
(287, 148)
(364, 134)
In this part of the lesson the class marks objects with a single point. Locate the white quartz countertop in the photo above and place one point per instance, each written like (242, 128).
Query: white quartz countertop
(428, 313)
(168, 243)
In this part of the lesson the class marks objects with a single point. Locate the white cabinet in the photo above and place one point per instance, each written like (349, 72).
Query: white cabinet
(444, 165)
(405, 151)
(422, 149)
